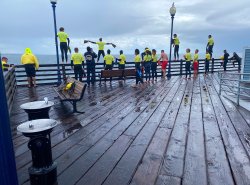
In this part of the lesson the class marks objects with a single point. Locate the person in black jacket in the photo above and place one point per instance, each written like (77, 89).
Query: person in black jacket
(236, 58)
(90, 56)
(226, 55)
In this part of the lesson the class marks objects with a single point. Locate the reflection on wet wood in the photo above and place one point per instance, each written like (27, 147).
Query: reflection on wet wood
(167, 132)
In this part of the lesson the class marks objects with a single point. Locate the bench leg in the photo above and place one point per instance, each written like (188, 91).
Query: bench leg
(75, 108)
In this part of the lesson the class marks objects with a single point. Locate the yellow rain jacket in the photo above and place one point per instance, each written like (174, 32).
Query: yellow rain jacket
(29, 58)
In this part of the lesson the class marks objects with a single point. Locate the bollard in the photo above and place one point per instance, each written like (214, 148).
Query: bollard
(43, 170)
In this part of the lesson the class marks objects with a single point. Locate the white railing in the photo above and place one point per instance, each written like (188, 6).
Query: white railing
(235, 83)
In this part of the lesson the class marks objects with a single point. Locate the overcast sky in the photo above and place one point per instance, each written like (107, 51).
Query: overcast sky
(129, 24)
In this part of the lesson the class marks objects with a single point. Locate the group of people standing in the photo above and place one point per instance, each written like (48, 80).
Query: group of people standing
(145, 64)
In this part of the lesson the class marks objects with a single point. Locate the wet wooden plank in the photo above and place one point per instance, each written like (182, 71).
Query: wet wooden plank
(218, 167)
(167, 180)
(236, 153)
(83, 133)
(173, 164)
(195, 162)
(148, 169)
(95, 151)
(123, 172)
(101, 169)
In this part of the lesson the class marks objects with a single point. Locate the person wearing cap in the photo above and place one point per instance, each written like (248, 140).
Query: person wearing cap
(5, 66)
(108, 62)
(188, 58)
(31, 64)
(210, 45)
(77, 63)
(176, 45)
(90, 57)
(226, 55)
(147, 59)
(154, 65)
(101, 45)
(64, 43)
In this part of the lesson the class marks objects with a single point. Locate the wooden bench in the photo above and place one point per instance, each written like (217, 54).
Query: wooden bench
(72, 95)
(122, 73)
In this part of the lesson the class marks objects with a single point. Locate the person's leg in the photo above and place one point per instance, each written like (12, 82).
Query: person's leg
(186, 68)
(189, 69)
(65, 50)
(88, 75)
(62, 51)
(80, 71)
(99, 54)
(225, 68)
(103, 53)
(76, 72)
(239, 65)
(34, 81)
(152, 71)
(177, 52)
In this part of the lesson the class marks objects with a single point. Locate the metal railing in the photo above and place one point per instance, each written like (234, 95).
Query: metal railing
(47, 73)
(10, 86)
(236, 85)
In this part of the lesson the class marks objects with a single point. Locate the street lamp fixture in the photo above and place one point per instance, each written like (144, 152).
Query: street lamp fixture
(54, 2)
(172, 12)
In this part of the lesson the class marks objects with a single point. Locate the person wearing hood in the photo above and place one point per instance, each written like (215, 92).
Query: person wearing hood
(31, 64)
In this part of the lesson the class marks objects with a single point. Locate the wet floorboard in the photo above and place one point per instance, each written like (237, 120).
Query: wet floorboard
(169, 132)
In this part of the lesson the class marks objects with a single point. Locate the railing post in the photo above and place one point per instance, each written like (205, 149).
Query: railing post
(238, 95)
(220, 75)
(181, 62)
(212, 65)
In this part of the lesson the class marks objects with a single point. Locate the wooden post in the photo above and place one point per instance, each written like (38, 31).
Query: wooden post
(212, 65)
(181, 62)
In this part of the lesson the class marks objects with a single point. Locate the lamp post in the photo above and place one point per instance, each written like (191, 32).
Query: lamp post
(172, 12)
(53, 2)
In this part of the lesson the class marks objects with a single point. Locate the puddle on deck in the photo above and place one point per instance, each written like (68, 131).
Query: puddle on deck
(71, 130)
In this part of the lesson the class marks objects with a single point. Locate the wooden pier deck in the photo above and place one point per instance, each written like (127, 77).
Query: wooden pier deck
(165, 133)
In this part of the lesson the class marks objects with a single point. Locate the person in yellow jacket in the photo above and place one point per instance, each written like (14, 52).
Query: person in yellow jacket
(188, 58)
(31, 64)
(207, 60)
(154, 65)
(77, 60)
(5, 66)
(101, 45)
(176, 45)
(122, 60)
(64, 44)
(108, 62)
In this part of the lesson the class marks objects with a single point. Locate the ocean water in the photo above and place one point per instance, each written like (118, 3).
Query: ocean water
(51, 59)
(47, 59)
